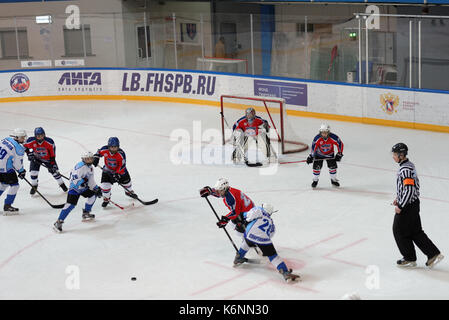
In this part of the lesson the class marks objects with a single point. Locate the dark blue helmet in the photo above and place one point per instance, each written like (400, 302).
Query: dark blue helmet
(38, 131)
(113, 142)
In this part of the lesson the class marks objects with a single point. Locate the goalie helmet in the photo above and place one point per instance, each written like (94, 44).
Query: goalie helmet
(250, 114)
(325, 128)
(19, 133)
(268, 208)
(400, 148)
(222, 184)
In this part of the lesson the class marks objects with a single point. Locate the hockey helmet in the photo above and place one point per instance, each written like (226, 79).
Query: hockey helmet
(222, 184)
(113, 142)
(268, 208)
(325, 128)
(87, 155)
(400, 148)
(39, 131)
(19, 133)
(250, 113)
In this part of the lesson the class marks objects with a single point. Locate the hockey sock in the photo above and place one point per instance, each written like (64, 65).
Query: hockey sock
(278, 263)
(242, 252)
(333, 174)
(3, 188)
(89, 203)
(65, 211)
(11, 193)
(33, 176)
(10, 199)
(106, 189)
(316, 174)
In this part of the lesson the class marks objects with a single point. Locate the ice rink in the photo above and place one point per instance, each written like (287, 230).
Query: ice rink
(338, 239)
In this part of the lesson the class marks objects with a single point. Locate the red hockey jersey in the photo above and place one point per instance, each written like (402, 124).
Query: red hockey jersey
(115, 163)
(236, 201)
(243, 124)
(44, 151)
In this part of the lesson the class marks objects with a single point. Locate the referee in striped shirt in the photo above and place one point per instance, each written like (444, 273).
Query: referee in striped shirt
(407, 229)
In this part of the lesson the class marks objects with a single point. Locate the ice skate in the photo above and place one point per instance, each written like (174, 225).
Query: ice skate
(289, 276)
(314, 183)
(63, 187)
(434, 260)
(335, 182)
(105, 202)
(405, 263)
(33, 190)
(131, 194)
(9, 210)
(57, 226)
(87, 216)
(239, 260)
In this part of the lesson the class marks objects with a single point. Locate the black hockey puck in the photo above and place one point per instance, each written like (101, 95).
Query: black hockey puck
(133, 279)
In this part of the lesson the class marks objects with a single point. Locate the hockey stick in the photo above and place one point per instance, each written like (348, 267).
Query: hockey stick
(224, 229)
(146, 203)
(45, 165)
(54, 206)
(119, 206)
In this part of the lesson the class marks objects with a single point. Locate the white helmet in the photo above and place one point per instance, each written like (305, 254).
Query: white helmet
(86, 154)
(19, 133)
(325, 127)
(222, 184)
(268, 208)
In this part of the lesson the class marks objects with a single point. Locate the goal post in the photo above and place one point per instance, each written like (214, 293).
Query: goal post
(271, 109)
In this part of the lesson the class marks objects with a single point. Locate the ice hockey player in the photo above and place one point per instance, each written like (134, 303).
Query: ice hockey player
(407, 229)
(43, 152)
(235, 200)
(11, 160)
(114, 170)
(82, 183)
(247, 126)
(323, 149)
(258, 232)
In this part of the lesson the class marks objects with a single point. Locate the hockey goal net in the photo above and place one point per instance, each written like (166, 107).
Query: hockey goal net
(271, 109)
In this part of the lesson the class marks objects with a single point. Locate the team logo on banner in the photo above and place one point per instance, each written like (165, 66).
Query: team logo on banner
(389, 102)
(19, 82)
(191, 30)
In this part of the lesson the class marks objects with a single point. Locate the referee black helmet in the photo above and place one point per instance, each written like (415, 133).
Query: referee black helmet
(400, 148)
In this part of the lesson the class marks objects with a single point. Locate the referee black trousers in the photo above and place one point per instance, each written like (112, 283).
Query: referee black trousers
(407, 231)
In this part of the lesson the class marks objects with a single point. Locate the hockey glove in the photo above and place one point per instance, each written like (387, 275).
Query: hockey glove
(338, 156)
(84, 183)
(31, 156)
(206, 191)
(309, 159)
(96, 160)
(52, 167)
(223, 222)
(98, 192)
(21, 174)
(116, 177)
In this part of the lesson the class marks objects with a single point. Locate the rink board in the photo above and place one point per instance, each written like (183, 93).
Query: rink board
(418, 109)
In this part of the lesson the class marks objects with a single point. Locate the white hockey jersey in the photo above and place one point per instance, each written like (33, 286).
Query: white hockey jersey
(261, 227)
(82, 178)
(11, 155)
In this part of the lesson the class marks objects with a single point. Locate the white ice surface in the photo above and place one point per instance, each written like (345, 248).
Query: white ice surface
(337, 239)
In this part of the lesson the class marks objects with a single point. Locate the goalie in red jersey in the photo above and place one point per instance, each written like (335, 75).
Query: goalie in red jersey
(247, 126)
